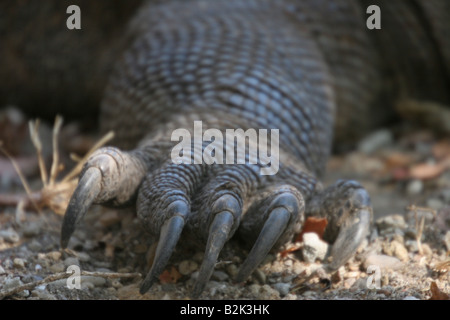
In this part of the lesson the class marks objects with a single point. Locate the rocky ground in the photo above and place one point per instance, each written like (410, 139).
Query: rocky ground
(406, 256)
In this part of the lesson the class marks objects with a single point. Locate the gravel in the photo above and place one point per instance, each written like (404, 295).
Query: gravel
(113, 240)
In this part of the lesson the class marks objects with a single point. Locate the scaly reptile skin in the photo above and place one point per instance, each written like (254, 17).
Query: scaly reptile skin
(288, 65)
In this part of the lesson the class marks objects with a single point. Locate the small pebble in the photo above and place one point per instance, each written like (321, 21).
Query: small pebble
(263, 292)
(9, 235)
(35, 246)
(70, 261)
(83, 256)
(260, 276)
(54, 255)
(186, 267)
(352, 274)
(32, 229)
(359, 284)
(290, 296)
(95, 281)
(19, 263)
(309, 294)
(382, 261)
(410, 298)
(43, 295)
(415, 187)
(2, 271)
(282, 288)
(375, 141)
(219, 275)
(116, 284)
(87, 285)
(313, 247)
(397, 249)
(57, 267)
(232, 270)
(390, 224)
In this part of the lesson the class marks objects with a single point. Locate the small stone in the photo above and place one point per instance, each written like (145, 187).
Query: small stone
(215, 287)
(352, 274)
(116, 284)
(309, 294)
(43, 295)
(19, 263)
(198, 257)
(399, 250)
(95, 281)
(375, 141)
(359, 284)
(313, 247)
(32, 229)
(260, 276)
(410, 298)
(70, 261)
(389, 224)
(57, 267)
(9, 235)
(186, 267)
(415, 187)
(382, 261)
(87, 285)
(232, 270)
(290, 296)
(219, 275)
(2, 271)
(35, 246)
(282, 288)
(83, 256)
(54, 255)
(447, 240)
(263, 292)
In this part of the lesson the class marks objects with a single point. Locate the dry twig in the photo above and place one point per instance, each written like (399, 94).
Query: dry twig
(54, 194)
(64, 275)
(420, 223)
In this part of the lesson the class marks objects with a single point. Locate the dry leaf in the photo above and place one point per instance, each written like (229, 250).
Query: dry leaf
(171, 276)
(316, 225)
(437, 294)
(429, 171)
(398, 159)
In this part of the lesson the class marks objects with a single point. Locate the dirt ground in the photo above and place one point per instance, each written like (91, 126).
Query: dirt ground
(405, 171)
